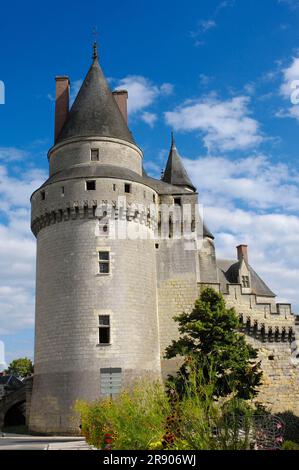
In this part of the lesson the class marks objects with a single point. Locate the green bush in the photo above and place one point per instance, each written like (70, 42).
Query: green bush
(136, 420)
(149, 417)
(290, 445)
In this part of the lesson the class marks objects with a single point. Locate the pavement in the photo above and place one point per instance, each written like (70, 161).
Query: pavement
(25, 442)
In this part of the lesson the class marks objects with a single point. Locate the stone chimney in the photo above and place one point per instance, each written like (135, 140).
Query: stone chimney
(61, 102)
(121, 98)
(242, 252)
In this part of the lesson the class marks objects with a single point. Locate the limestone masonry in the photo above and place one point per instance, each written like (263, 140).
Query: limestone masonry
(113, 270)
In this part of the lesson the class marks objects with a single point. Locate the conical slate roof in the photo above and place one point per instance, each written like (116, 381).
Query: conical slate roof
(95, 111)
(175, 172)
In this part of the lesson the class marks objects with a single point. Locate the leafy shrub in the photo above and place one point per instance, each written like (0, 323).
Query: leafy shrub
(135, 420)
(150, 417)
(290, 445)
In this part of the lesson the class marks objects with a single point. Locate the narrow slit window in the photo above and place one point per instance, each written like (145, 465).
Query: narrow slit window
(104, 329)
(104, 262)
(90, 185)
(43, 195)
(94, 155)
(127, 188)
(62, 190)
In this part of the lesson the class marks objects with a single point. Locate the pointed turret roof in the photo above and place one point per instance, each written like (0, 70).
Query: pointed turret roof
(175, 172)
(95, 111)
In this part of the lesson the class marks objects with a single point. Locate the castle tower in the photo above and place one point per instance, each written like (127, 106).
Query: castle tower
(96, 296)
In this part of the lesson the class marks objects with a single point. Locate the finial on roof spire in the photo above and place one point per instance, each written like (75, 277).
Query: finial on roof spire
(172, 139)
(95, 44)
(95, 50)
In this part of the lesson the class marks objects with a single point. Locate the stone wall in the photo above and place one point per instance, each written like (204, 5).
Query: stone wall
(177, 292)
(271, 329)
(280, 389)
(70, 296)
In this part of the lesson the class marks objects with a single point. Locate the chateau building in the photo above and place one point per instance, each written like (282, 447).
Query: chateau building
(113, 270)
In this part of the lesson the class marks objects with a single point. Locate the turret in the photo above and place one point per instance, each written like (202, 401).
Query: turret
(96, 295)
(175, 172)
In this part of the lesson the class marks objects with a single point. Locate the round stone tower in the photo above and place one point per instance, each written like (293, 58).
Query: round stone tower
(96, 297)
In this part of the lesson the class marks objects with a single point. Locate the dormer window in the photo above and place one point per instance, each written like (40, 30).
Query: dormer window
(245, 281)
(94, 155)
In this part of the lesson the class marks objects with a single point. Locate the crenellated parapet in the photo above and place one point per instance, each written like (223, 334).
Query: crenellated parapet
(262, 318)
(103, 210)
(267, 330)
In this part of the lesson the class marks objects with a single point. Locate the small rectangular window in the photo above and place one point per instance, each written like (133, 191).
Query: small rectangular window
(90, 185)
(177, 201)
(104, 262)
(127, 188)
(104, 329)
(245, 281)
(62, 190)
(43, 195)
(114, 187)
(94, 155)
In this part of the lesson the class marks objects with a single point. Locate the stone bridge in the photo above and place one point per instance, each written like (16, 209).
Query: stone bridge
(17, 400)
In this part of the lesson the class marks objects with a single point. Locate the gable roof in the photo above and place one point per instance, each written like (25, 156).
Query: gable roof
(95, 111)
(228, 271)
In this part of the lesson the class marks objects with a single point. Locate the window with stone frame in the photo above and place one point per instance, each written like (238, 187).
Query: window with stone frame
(94, 155)
(104, 262)
(104, 329)
(245, 281)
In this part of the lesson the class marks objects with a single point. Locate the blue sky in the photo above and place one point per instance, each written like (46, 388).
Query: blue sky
(217, 72)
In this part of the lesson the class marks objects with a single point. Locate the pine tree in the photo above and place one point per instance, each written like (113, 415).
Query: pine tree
(210, 340)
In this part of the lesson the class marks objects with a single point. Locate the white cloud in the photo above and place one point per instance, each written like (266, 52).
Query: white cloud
(205, 79)
(149, 118)
(254, 201)
(226, 125)
(17, 250)
(142, 93)
(254, 181)
(166, 89)
(205, 25)
(289, 90)
(9, 154)
(290, 74)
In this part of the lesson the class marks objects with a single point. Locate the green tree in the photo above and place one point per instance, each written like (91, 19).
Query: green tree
(210, 340)
(21, 367)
